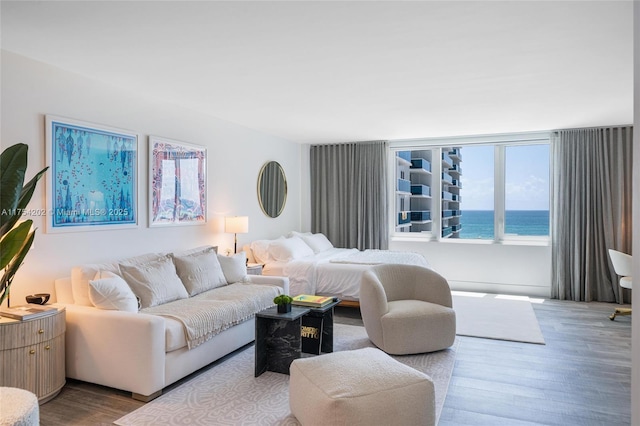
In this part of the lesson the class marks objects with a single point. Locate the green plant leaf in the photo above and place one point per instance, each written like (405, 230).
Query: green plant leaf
(13, 241)
(25, 196)
(13, 165)
(13, 266)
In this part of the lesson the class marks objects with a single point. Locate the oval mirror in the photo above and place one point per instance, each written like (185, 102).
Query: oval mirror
(272, 189)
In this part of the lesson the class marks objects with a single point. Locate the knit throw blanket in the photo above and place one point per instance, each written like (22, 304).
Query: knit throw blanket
(209, 313)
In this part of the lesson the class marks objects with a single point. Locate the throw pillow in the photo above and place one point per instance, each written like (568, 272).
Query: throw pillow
(80, 277)
(234, 267)
(109, 291)
(199, 270)
(154, 282)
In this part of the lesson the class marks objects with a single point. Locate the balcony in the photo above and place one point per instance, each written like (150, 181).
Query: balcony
(420, 165)
(420, 190)
(404, 218)
(420, 216)
(404, 185)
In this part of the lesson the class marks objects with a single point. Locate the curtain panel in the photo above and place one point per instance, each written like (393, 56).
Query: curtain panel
(591, 211)
(349, 201)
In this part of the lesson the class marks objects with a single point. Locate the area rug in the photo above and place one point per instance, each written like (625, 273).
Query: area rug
(498, 317)
(228, 394)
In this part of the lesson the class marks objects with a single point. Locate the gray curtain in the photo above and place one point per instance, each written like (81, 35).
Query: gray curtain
(349, 202)
(591, 211)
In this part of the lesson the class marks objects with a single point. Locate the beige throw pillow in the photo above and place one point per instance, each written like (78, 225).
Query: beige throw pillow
(199, 270)
(154, 282)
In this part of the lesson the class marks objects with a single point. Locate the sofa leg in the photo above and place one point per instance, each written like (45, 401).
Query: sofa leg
(146, 398)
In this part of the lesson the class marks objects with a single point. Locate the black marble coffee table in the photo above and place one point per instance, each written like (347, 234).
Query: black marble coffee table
(317, 329)
(278, 340)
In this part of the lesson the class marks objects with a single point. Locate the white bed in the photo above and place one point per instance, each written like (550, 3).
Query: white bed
(314, 266)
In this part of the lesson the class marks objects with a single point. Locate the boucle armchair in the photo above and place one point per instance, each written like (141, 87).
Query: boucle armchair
(407, 309)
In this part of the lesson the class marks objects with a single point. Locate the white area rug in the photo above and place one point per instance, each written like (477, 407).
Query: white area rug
(228, 394)
(496, 317)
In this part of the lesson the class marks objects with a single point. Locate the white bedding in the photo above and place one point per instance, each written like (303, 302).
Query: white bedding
(337, 271)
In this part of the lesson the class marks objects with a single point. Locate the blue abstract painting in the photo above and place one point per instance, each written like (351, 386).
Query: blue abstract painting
(94, 176)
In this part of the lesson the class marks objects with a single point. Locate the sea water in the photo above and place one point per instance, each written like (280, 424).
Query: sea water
(479, 223)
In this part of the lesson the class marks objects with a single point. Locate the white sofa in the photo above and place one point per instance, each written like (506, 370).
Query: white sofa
(136, 351)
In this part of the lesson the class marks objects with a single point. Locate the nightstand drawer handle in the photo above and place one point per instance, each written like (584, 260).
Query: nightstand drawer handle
(40, 331)
(32, 351)
(47, 347)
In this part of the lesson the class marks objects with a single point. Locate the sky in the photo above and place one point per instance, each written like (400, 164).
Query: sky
(527, 177)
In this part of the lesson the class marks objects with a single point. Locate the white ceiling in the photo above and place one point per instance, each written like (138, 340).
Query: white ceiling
(333, 71)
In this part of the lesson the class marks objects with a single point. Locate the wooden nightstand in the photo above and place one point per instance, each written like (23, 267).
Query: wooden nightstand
(254, 268)
(32, 354)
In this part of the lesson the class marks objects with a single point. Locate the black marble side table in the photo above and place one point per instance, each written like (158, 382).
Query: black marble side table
(278, 340)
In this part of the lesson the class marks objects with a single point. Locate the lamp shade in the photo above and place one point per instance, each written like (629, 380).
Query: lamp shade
(236, 224)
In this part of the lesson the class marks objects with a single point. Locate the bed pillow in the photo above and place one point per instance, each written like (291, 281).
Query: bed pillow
(289, 249)
(318, 242)
(154, 282)
(261, 250)
(109, 291)
(199, 270)
(234, 267)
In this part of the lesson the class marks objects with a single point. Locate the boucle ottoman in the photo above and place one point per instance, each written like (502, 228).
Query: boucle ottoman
(361, 387)
(18, 407)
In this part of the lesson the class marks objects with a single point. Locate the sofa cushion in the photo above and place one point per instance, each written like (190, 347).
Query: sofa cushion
(154, 282)
(110, 291)
(199, 270)
(80, 277)
(234, 267)
(175, 337)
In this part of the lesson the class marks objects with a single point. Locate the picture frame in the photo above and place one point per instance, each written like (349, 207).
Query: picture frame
(93, 178)
(178, 183)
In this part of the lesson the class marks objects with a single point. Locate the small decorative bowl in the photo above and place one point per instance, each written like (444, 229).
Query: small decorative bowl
(38, 298)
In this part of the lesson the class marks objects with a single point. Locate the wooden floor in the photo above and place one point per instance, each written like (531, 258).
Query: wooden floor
(582, 376)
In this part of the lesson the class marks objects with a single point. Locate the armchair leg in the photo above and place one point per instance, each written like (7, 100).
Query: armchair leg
(620, 311)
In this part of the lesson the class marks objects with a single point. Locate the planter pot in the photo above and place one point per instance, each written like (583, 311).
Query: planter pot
(283, 309)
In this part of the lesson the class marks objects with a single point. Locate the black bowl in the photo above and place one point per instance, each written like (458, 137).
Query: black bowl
(38, 298)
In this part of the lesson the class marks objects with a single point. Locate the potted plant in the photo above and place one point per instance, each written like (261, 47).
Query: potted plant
(284, 303)
(16, 236)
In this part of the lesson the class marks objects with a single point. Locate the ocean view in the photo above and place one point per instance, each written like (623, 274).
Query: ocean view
(479, 223)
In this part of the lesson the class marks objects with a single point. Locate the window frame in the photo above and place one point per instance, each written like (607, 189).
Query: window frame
(500, 142)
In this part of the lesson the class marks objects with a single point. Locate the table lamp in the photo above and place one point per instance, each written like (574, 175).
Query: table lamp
(236, 225)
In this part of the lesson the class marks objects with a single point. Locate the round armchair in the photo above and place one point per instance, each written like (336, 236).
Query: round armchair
(407, 309)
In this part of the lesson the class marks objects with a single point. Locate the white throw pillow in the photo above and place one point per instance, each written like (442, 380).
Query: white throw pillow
(154, 282)
(80, 277)
(318, 242)
(109, 291)
(234, 267)
(199, 270)
(289, 249)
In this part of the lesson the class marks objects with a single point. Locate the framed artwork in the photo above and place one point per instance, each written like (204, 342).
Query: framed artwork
(177, 173)
(93, 183)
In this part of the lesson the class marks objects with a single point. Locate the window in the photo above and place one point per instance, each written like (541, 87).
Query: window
(499, 192)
